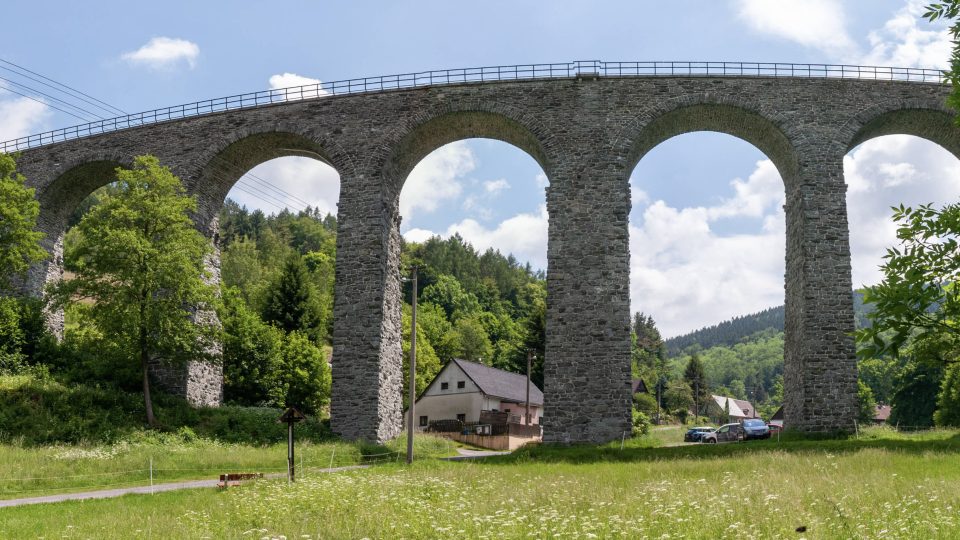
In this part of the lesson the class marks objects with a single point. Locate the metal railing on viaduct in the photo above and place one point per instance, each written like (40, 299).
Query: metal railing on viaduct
(580, 68)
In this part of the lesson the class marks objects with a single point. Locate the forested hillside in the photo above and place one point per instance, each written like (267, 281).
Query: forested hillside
(278, 271)
(736, 330)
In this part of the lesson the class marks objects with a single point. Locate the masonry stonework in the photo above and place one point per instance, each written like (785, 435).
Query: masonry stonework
(587, 135)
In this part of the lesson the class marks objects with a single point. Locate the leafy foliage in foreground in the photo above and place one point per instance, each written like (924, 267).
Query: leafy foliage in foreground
(139, 261)
(42, 411)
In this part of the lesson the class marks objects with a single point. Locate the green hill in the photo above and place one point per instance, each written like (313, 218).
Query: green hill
(740, 329)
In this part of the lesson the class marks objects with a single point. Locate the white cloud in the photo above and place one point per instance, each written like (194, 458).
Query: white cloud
(287, 80)
(907, 40)
(437, 179)
(21, 117)
(294, 82)
(308, 179)
(820, 24)
(523, 235)
(762, 191)
(163, 53)
(885, 172)
(542, 180)
(494, 187)
(686, 275)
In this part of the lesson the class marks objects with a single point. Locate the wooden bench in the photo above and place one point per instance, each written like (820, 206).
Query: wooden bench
(234, 479)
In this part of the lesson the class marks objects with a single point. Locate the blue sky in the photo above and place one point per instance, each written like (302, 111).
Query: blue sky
(713, 223)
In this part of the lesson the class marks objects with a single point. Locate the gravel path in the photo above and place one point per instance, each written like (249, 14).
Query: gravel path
(156, 488)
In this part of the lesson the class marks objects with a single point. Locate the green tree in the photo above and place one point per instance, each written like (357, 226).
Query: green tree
(304, 374)
(867, 405)
(240, 267)
(678, 399)
(473, 343)
(140, 260)
(291, 302)
(645, 403)
(696, 379)
(948, 401)
(19, 241)
(950, 10)
(428, 364)
(251, 355)
(913, 402)
(918, 300)
(447, 293)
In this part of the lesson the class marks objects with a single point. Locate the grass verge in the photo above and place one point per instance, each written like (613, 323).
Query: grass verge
(877, 487)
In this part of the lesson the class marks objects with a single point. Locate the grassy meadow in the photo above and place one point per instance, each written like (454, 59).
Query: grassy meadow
(882, 485)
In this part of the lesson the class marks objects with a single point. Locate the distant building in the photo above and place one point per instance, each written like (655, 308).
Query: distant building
(739, 409)
(464, 391)
(639, 387)
(777, 418)
(882, 414)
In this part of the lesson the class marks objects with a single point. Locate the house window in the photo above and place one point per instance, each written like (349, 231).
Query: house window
(461, 384)
(461, 418)
(506, 411)
(444, 386)
(423, 421)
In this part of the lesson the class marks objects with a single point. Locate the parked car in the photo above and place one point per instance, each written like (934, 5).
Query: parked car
(695, 433)
(724, 433)
(775, 428)
(755, 429)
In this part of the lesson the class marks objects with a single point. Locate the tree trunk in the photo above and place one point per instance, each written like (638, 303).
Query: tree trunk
(145, 360)
(146, 387)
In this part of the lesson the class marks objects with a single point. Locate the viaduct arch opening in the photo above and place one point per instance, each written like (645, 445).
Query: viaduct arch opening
(707, 245)
(905, 157)
(268, 202)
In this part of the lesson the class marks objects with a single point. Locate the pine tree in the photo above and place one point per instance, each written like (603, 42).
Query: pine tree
(291, 303)
(697, 379)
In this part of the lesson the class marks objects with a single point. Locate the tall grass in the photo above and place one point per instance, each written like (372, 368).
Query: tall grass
(885, 488)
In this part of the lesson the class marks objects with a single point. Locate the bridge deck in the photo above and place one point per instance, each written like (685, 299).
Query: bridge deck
(488, 74)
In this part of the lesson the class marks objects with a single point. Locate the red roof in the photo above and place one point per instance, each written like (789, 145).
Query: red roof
(882, 413)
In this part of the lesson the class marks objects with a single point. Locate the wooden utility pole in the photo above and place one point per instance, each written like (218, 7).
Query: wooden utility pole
(413, 368)
(529, 361)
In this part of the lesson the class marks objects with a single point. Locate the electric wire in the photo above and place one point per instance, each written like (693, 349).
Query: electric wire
(266, 183)
(41, 102)
(58, 100)
(249, 183)
(110, 109)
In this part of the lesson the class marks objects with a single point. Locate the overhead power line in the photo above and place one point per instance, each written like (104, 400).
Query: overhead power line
(58, 100)
(42, 102)
(248, 183)
(68, 88)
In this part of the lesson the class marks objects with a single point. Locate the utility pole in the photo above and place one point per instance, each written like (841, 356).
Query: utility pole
(413, 368)
(696, 401)
(529, 361)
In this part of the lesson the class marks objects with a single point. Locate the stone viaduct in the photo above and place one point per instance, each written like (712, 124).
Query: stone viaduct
(587, 128)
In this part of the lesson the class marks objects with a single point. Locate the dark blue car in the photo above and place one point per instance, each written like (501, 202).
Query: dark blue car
(755, 429)
(695, 434)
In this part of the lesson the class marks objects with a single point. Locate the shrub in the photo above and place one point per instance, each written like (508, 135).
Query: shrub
(641, 423)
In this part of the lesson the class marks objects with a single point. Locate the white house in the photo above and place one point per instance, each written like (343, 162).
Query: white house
(462, 390)
(739, 409)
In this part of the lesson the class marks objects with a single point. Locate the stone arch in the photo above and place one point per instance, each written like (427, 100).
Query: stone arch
(930, 120)
(765, 130)
(230, 158)
(428, 130)
(64, 193)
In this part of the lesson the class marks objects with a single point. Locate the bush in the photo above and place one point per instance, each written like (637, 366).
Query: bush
(41, 412)
(645, 403)
(641, 423)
